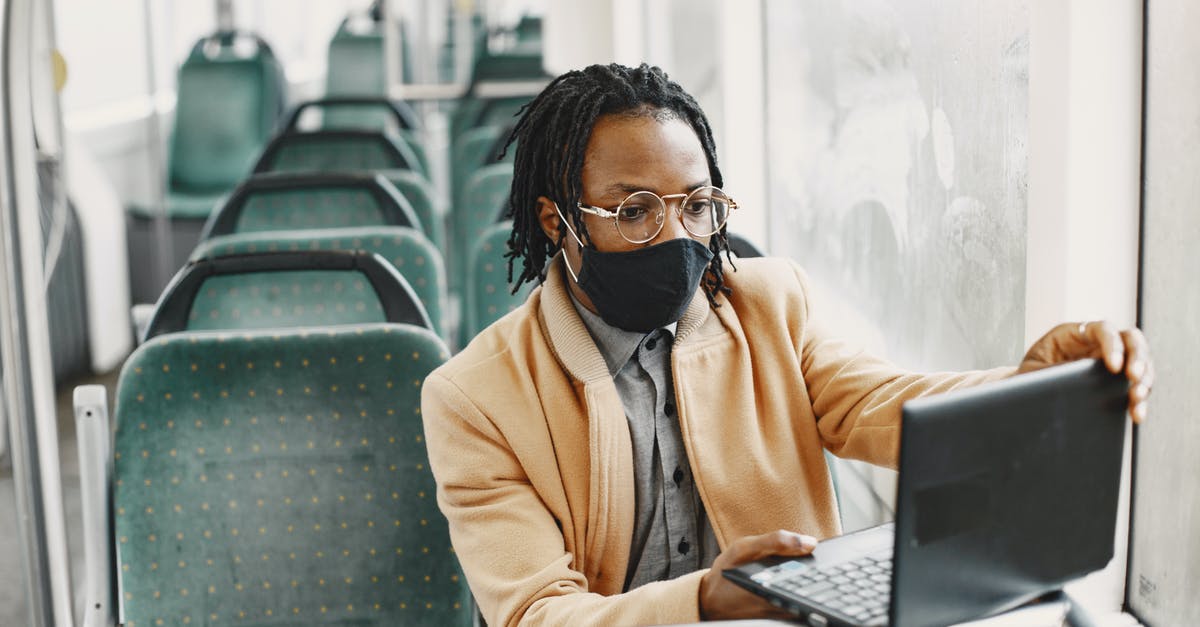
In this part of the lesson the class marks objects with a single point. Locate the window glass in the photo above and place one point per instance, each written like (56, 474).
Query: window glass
(693, 55)
(106, 64)
(897, 152)
(104, 45)
(897, 176)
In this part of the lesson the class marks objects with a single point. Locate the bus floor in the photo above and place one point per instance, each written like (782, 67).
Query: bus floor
(13, 603)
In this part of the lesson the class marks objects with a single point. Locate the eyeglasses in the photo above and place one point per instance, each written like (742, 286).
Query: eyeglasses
(641, 216)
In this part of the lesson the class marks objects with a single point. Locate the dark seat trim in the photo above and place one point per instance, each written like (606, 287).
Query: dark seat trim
(400, 303)
(398, 151)
(396, 208)
(404, 115)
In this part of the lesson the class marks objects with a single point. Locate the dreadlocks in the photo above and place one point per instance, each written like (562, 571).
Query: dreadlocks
(552, 135)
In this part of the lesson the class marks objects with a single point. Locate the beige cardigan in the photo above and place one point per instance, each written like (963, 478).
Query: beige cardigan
(530, 446)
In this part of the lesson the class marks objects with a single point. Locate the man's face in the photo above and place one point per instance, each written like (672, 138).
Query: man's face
(625, 155)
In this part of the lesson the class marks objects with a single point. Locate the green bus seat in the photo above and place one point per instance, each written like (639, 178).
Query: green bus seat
(484, 203)
(288, 201)
(323, 151)
(477, 148)
(286, 289)
(345, 149)
(356, 59)
(742, 246)
(376, 113)
(417, 190)
(229, 102)
(231, 91)
(409, 251)
(489, 295)
(281, 478)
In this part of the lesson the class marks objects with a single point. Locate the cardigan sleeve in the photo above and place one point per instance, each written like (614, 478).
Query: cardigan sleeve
(506, 538)
(856, 396)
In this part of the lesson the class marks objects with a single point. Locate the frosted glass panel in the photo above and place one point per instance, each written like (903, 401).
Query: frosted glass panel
(897, 172)
(897, 168)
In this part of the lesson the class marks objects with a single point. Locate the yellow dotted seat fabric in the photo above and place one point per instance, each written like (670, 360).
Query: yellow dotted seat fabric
(489, 295)
(280, 478)
(480, 207)
(310, 209)
(412, 254)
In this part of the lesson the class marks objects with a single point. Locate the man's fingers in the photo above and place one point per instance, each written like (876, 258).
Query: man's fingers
(1102, 335)
(779, 542)
(1139, 369)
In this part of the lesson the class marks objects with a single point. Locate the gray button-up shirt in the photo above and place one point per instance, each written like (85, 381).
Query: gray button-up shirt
(671, 534)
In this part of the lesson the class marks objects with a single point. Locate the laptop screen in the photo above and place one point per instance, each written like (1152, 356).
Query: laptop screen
(1006, 491)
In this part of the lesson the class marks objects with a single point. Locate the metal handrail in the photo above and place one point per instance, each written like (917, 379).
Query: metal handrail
(25, 340)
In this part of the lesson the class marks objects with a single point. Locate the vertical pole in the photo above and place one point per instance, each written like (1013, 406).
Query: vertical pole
(464, 40)
(225, 21)
(25, 344)
(163, 246)
(393, 52)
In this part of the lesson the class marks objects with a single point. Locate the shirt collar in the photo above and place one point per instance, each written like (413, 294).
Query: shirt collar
(616, 345)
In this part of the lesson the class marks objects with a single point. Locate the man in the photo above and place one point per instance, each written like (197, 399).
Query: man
(604, 451)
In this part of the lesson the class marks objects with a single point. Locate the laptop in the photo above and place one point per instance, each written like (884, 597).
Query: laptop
(1007, 491)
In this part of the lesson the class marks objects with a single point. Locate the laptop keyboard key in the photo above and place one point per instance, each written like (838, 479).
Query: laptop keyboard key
(820, 586)
(824, 597)
(853, 610)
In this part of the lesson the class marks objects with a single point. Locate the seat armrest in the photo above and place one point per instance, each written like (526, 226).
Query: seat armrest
(95, 479)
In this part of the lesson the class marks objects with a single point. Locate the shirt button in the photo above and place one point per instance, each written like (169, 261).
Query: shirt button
(684, 547)
(669, 408)
(651, 343)
(678, 475)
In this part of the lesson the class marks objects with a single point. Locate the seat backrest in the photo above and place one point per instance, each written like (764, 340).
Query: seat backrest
(430, 209)
(356, 59)
(522, 63)
(471, 151)
(356, 63)
(283, 201)
(410, 252)
(285, 289)
(489, 295)
(392, 114)
(502, 111)
(483, 203)
(281, 478)
(487, 191)
(337, 150)
(529, 29)
(478, 148)
(743, 247)
(464, 117)
(228, 104)
(375, 113)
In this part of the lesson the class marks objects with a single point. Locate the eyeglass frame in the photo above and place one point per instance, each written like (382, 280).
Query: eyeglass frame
(615, 213)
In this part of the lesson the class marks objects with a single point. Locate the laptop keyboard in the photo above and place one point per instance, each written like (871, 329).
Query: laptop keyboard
(859, 589)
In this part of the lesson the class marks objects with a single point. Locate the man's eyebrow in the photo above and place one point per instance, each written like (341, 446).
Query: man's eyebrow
(625, 189)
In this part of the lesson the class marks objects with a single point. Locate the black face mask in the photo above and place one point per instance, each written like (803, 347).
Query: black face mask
(644, 289)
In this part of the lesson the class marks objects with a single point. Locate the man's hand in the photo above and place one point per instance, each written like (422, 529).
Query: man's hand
(1124, 350)
(722, 599)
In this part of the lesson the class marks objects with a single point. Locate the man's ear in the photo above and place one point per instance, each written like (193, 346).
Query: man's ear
(549, 219)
